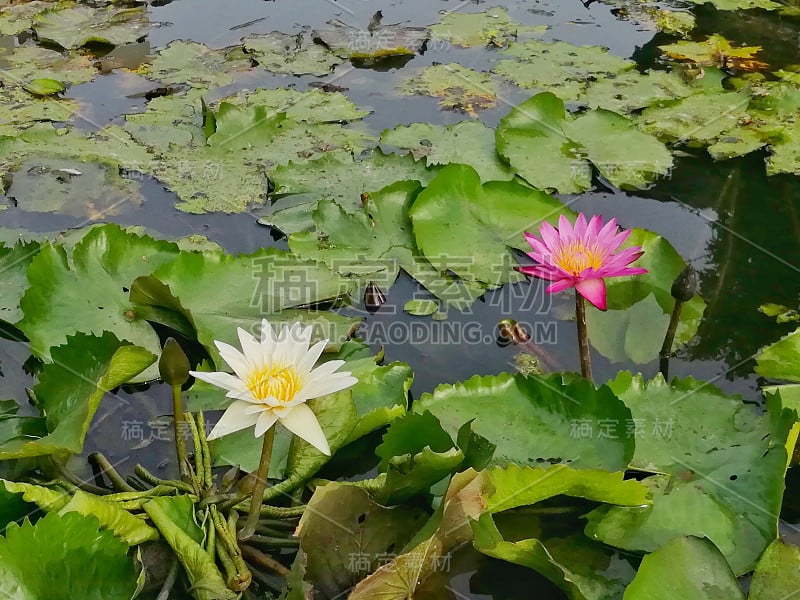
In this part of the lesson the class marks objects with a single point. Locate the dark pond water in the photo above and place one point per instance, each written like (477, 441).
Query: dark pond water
(740, 229)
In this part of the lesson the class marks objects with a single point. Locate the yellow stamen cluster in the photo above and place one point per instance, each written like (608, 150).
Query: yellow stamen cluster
(575, 257)
(274, 382)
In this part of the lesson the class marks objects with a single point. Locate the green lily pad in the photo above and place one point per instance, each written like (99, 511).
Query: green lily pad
(376, 41)
(653, 17)
(468, 143)
(311, 106)
(721, 470)
(335, 177)
(258, 285)
(80, 25)
(346, 535)
(375, 242)
(44, 87)
(640, 306)
(87, 292)
(777, 574)
(74, 559)
(291, 54)
(742, 4)
(582, 569)
(421, 308)
(19, 17)
(553, 152)
(489, 220)
(70, 390)
(631, 90)
(24, 64)
(703, 573)
(576, 424)
(73, 188)
(14, 261)
(18, 110)
(715, 51)
(457, 88)
(194, 64)
(558, 67)
(492, 27)
(781, 359)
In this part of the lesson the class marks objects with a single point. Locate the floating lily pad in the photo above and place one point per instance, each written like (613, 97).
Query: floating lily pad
(14, 261)
(376, 41)
(19, 17)
(653, 17)
(335, 177)
(553, 152)
(489, 28)
(292, 54)
(505, 407)
(19, 110)
(194, 64)
(74, 560)
(44, 87)
(742, 4)
(489, 220)
(703, 573)
(468, 143)
(558, 67)
(715, 51)
(312, 106)
(79, 25)
(458, 88)
(71, 187)
(631, 90)
(721, 470)
(375, 242)
(24, 64)
(781, 359)
(421, 308)
(87, 292)
(777, 574)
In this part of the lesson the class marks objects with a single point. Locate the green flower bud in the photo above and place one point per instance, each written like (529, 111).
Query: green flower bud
(685, 285)
(173, 364)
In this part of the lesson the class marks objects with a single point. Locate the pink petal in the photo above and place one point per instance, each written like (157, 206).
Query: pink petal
(560, 286)
(595, 223)
(550, 236)
(580, 226)
(541, 272)
(564, 228)
(594, 290)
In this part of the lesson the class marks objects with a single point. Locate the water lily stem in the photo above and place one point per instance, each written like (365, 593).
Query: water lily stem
(205, 450)
(259, 486)
(109, 471)
(147, 476)
(169, 582)
(669, 339)
(179, 426)
(583, 337)
(260, 559)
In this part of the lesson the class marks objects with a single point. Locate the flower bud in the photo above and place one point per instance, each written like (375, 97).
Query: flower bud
(685, 285)
(173, 365)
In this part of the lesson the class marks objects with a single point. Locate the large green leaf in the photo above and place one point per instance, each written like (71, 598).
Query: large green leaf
(631, 90)
(574, 422)
(345, 535)
(87, 292)
(558, 67)
(640, 305)
(71, 388)
(468, 143)
(457, 88)
(375, 242)
(686, 567)
(777, 574)
(193, 64)
(80, 25)
(721, 470)
(310, 106)
(62, 558)
(469, 228)
(14, 261)
(493, 28)
(781, 360)
(552, 151)
(260, 285)
(473, 494)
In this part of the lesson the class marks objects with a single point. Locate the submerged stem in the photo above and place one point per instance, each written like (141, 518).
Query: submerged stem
(583, 337)
(259, 486)
(179, 427)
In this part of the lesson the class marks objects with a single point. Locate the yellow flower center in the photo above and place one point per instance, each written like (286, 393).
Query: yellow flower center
(575, 257)
(274, 382)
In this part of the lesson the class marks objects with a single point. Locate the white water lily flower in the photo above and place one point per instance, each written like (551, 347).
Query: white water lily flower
(274, 377)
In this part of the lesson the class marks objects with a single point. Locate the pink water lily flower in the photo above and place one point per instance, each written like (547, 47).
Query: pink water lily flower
(581, 256)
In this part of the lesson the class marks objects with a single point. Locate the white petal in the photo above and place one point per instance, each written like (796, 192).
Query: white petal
(302, 342)
(311, 356)
(323, 387)
(235, 359)
(266, 420)
(302, 422)
(251, 348)
(268, 342)
(224, 380)
(234, 419)
(327, 368)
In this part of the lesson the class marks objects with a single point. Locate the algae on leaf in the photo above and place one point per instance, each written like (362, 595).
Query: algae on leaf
(468, 143)
(492, 27)
(79, 25)
(457, 88)
(558, 67)
(291, 54)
